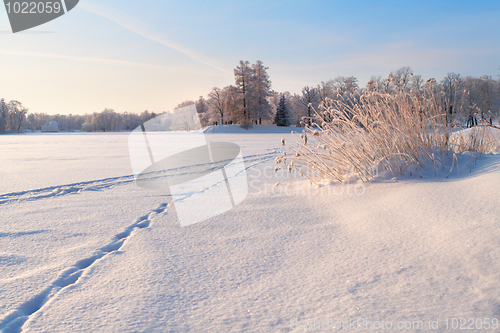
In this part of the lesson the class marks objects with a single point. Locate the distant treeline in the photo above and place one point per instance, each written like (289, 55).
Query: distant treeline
(252, 101)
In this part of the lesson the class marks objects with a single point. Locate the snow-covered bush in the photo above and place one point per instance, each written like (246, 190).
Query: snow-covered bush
(354, 137)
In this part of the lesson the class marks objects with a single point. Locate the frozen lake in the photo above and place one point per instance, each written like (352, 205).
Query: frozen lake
(34, 161)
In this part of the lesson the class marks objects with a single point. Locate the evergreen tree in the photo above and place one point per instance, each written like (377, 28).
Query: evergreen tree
(281, 118)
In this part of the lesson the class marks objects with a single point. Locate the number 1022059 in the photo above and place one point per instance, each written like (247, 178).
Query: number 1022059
(33, 7)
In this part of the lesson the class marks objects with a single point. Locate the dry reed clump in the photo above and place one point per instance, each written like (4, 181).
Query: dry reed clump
(481, 140)
(355, 136)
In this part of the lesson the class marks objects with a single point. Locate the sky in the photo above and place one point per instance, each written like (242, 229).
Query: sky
(152, 55)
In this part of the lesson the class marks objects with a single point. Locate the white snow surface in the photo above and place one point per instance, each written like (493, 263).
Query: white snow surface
(254, 129)
(83, 249)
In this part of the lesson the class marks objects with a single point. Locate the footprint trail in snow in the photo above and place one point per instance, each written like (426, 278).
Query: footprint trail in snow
(14, 321)
(107, 183)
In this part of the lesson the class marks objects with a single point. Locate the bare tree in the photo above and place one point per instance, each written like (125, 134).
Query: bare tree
(325, 91)
(17, 115)
(217, 101)
(486, 94)
(402, 77)
(107, 120)
(232, 105)
(344, 84)
(452, 86)
(131, 120)
(202, 110)
(308, 98)
(146, 115)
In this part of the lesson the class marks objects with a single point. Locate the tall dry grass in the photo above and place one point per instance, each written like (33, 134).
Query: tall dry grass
(356, 136)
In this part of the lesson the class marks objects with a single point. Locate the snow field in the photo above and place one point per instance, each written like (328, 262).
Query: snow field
(115, 258)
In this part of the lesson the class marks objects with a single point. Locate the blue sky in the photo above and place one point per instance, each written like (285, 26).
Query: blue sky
(138, 55)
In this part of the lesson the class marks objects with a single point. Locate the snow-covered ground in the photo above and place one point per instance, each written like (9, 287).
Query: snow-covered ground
(83, 249)
(236, 129)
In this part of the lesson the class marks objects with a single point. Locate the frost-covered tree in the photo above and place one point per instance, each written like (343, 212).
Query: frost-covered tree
(497, 92)
(401, 78)
(232, 104)
(378, 84)
(66, 122)
(344, 84)
(184, 120)
(309, 98)
(41, 119)
(452, 86)
(201, 105)
(325, 91)
(254, 90)
(17, 115)
(146, 115)
(472, 99)
(4, 113)
(204, 112)
(261, 88)
(99, 121)
(486, 95)
(282, 118)
(131, 120)
(217, 103)
(416, 84)
(296, 109)
(107, 120)
(244, 75)
(185, 103)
